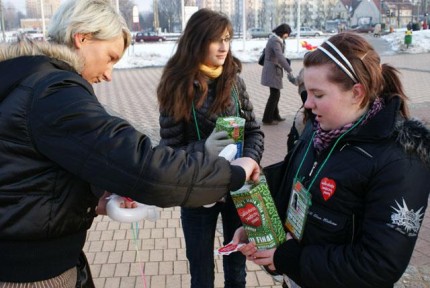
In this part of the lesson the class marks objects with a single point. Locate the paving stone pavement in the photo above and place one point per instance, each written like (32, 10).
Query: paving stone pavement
(116, 257)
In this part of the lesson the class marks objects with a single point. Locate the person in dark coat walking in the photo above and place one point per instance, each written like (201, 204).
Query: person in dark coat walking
(361, 169)
(273, 71)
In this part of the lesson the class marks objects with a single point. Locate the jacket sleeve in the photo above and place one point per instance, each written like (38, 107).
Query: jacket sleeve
(395, 207)
(70, 127)
(254, 136)
(277, 49)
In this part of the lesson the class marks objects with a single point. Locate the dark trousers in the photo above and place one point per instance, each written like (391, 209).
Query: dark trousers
(199, 225)
(271, 112)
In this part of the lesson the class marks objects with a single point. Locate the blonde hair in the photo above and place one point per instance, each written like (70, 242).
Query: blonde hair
(95, 17)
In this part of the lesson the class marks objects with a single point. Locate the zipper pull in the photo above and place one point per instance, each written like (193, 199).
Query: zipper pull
(313, 168)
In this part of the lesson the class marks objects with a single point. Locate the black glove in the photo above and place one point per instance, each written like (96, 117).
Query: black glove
(216, 142)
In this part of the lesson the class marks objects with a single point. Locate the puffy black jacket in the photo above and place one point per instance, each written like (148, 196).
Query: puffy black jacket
(56, 140)
(184, 134)
(363, 234)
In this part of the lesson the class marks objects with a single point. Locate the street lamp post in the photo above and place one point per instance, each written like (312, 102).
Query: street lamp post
(183, 15)
(42, 12)
(2, 21)
(155, 7)
(299, 20)
(244, 24)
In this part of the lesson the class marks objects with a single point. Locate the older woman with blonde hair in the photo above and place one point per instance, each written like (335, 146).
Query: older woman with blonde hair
(57, 141)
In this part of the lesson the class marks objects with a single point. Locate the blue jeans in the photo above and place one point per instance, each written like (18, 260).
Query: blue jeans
(199, 225)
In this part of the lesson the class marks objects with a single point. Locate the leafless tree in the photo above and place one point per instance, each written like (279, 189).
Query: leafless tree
(169, 13)
(126, 9)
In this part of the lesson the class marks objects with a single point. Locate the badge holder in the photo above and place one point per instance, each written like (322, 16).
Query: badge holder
(298, 206)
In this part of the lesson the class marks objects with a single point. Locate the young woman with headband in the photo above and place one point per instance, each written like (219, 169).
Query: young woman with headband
(361, 170)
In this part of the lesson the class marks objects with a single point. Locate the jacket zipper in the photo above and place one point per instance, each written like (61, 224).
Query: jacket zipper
(353, 228)
(359, 149)
(313, 168)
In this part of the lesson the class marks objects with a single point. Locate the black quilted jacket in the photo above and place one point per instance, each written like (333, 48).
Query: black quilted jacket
(184, 134)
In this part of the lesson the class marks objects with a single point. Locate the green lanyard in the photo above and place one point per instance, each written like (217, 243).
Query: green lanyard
(236, 101)
(329, 154)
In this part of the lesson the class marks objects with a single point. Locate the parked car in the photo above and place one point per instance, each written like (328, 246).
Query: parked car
(258, 33)
(365, 28)
(34, 35)
(148, 37)
(307, 32)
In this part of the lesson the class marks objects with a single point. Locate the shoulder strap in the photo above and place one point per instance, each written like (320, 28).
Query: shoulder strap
(236, 98)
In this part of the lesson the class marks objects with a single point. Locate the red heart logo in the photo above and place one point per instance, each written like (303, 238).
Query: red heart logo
(228, 248)
(249, 215)
(327, 187)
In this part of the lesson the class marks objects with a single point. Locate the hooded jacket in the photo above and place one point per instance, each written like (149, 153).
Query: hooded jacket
(56, 140)
(368, 203)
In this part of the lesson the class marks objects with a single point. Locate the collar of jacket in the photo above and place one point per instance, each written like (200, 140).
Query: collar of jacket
(27, 47)
(411, 134)
(273, 35)
(20, 60)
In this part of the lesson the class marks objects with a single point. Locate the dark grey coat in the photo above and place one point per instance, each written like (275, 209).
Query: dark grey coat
(274, 63)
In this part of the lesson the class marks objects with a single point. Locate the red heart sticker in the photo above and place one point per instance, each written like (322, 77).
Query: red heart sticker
(327, 187)
(249, 215)
(228, 248)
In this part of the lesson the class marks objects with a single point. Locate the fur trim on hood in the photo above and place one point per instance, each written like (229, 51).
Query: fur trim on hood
(26, 47)
(414, 137)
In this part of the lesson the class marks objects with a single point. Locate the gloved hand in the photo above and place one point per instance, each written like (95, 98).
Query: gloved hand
(216, 142)
(291, 78)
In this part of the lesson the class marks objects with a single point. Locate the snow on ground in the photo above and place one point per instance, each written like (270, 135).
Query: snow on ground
(420, 41)
(157, 54)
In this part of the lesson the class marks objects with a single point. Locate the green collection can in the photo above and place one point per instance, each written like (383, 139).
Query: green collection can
(258, 214)
(235, 127)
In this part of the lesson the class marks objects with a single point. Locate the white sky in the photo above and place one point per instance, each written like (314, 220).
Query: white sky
(142, 4)
(157, 54)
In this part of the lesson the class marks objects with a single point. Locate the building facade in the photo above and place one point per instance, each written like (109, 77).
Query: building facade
(34, 9)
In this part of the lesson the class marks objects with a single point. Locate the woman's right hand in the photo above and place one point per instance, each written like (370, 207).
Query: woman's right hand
(251, 167)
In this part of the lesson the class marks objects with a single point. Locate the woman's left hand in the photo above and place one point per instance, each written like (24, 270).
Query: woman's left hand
(265, 258)
(259, 257)
(101, 206)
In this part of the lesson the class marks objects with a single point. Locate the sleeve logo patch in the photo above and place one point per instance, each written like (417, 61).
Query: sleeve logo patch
(406, 220)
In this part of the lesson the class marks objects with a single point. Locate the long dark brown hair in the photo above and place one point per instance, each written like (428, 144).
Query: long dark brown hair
(378, 80)
(182, 79)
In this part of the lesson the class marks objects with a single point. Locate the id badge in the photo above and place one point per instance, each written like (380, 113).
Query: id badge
(297, 210)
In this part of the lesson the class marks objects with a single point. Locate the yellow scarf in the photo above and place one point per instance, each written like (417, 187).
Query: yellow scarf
(211, 72)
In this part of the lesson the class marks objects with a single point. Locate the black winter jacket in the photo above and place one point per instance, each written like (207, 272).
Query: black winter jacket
(56, 140)
(363, 234)
(183, 134)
